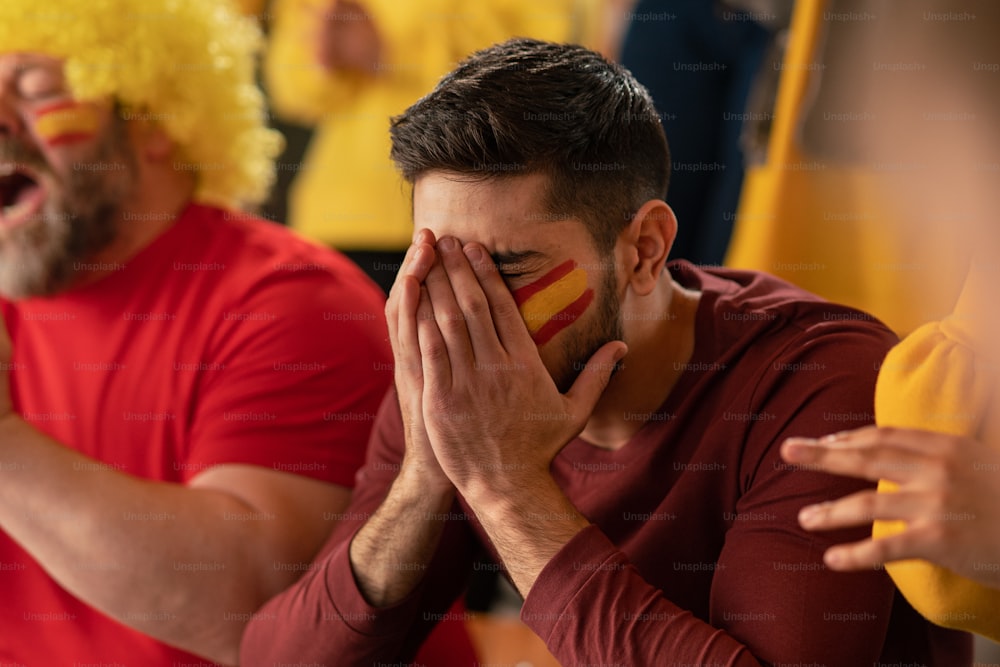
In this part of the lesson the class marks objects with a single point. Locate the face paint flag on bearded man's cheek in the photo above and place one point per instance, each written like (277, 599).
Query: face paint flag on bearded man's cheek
(554, 301)
(66, 123)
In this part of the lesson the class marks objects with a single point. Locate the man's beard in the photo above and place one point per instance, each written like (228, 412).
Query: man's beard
(607, 327)
(42, 256)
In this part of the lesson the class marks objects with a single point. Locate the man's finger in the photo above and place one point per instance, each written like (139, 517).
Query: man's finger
(472, 303)
(433, 359)
(592, 381)
(450, 318)
(866, 462)
(408, 370)
(392, 303)
(506, 318)
(862, 508)
(872, 553)
(913, 440)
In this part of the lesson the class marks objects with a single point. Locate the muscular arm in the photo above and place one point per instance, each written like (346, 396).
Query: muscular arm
(184, 564)
(391, 553)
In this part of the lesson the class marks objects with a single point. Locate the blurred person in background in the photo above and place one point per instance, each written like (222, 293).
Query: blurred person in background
(707, 64)
(347, 66)
(186, 390)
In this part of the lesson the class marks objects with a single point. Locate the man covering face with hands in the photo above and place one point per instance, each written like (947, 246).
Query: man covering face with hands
(605, 424)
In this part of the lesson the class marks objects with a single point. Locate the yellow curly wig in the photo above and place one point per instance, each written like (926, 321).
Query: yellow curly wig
(187, 64)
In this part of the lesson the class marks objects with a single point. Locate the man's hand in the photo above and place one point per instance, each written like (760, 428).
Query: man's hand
(401, 316)
(347, 38)
(949, 496)
(391, 552)
(493, 413)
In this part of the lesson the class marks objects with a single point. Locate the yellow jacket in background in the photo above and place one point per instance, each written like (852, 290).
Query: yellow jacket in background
(348, 194)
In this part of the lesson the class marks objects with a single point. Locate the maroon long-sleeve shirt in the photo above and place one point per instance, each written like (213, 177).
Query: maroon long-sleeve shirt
(694, 555)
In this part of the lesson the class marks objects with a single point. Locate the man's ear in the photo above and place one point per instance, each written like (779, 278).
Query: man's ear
(647, 241)
(159, 146)
(153, 143)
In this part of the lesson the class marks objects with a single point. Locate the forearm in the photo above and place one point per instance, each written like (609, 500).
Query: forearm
(528, 525)
(391, 553)
(168, 560)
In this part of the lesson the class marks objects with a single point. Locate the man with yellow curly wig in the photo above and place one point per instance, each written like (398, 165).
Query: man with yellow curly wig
(186, 390)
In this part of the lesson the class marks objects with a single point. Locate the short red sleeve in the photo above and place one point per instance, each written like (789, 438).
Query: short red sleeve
(296, 373)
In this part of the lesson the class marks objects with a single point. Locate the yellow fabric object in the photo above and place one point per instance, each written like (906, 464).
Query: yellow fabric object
(348, 193)
(820, 224)
(187, 65)
(251, 7)
(939, 379)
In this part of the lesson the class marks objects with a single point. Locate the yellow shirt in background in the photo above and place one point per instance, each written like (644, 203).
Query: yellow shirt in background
(348, 193)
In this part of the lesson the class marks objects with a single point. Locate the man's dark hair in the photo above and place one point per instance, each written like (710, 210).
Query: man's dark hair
(525, 107)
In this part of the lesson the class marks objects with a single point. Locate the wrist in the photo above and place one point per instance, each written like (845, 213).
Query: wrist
(423, 481)
(507, 488)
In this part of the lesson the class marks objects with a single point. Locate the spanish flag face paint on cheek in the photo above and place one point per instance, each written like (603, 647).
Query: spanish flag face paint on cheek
(554, 301)
(66, 123)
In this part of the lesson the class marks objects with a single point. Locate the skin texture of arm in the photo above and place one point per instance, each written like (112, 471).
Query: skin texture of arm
(188, 569)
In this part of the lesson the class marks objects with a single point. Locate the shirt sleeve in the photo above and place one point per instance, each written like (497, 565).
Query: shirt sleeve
(772, 600)
(324, 618)
(942, 378)
(295, 373)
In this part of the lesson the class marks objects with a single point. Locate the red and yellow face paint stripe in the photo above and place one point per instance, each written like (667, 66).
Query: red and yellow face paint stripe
(66, 122)
(554, 301)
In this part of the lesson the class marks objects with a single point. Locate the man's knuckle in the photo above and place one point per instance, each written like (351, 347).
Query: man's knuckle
(505, 311)
(475, 307)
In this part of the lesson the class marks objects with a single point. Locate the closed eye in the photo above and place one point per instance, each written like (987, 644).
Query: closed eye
(513, 265)
(37, 83)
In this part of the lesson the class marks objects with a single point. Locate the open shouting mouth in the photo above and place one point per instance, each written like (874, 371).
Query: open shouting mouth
(21, 195)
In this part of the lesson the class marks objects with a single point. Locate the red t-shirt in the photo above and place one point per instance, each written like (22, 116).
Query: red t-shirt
(694, 555)
(226, 340)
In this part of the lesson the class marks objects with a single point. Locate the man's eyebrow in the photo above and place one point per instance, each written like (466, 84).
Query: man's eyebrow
(515, 258)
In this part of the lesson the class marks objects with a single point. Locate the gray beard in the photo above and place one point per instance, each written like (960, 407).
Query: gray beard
(42, 256)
